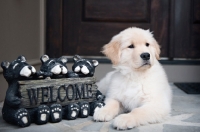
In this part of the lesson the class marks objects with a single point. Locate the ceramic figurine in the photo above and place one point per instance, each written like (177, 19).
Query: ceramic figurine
(54, 67)
(100, 96)
(96, 105)
(84, 67)
(11, 112)
(71, 111)
(19, 71)
(84, 109)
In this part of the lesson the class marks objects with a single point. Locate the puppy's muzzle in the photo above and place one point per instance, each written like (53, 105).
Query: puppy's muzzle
(145, 56)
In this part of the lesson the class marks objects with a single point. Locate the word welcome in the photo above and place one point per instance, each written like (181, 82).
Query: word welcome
(49, 95)
(61, 91)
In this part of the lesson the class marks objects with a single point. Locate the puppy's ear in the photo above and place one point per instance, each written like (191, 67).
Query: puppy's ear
(157, 49)
(112, 50)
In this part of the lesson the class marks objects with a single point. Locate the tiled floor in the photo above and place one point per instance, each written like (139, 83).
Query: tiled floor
(185, 118)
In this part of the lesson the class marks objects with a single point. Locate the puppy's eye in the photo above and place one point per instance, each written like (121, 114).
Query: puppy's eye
(147, 44)
(131, 46)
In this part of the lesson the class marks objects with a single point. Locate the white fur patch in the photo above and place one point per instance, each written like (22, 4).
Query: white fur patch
(84, 70)
(56, 115)
(96, 109)
(24, 120)
(43, 117)
(26, 72)
(77, 69)
(56, 69)
(130, 92)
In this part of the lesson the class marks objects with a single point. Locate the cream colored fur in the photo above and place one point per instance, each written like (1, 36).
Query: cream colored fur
(136, 94)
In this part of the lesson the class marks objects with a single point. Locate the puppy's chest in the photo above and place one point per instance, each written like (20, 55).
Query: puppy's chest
(131, 96)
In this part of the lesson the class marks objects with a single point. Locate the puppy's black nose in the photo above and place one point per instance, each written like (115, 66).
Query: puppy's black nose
(145, 56)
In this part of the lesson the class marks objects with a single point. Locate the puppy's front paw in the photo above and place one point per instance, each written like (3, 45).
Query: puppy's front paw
(124, 121)
(103, 114)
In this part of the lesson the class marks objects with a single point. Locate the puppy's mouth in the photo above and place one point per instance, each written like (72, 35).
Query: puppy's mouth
(147, 63)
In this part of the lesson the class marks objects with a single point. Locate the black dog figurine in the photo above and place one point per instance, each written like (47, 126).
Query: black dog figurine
(18, 70)
(13, 72)
(84, 67)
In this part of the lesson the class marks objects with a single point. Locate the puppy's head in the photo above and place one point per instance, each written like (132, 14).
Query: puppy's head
(133, 47)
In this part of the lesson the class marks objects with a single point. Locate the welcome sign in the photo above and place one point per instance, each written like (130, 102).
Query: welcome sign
(63, 91)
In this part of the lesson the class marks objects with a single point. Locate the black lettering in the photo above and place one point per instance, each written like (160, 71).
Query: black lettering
(59, 94)
(79, 91)
(51, 95)
(84, 91)
(89, 90)
(33, 96)
(70, 93)
(45, 94)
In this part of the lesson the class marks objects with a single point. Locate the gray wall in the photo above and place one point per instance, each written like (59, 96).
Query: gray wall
(21, 32)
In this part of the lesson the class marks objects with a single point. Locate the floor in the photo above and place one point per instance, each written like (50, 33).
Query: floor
(185, 118)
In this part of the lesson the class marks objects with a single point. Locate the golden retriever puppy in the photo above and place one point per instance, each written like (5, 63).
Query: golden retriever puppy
(137, 91)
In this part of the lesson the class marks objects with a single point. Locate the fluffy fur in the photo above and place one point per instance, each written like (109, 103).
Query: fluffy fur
(137, 91)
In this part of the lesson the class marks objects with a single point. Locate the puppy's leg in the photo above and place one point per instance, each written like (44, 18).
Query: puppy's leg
(109, 111)
(139, 116)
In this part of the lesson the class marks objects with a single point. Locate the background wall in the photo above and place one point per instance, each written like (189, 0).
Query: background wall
(21, 32)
